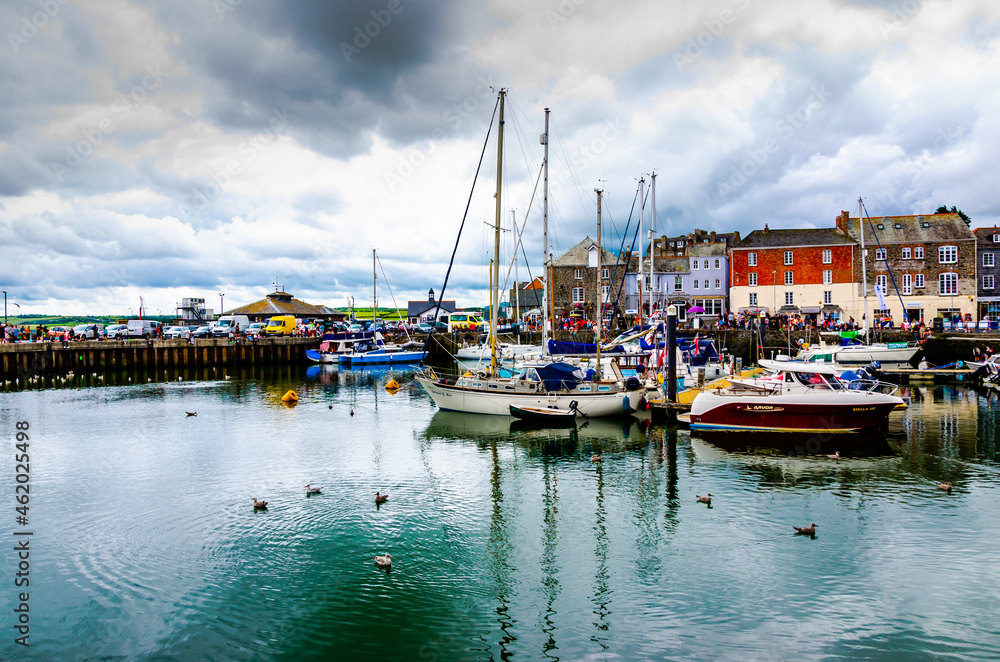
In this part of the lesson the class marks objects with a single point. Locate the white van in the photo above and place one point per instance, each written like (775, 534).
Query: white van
(141, 329)
(235, 323)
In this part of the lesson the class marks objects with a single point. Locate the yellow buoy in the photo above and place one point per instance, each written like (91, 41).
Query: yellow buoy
(392, 385)
(291, 396)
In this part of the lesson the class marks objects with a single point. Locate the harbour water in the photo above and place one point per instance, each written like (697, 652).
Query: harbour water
(507, 543)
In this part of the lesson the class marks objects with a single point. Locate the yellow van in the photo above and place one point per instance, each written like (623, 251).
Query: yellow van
(280, 325)
(466, 322)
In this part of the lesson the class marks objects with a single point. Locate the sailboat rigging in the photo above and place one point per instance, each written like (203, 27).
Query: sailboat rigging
(546, 385)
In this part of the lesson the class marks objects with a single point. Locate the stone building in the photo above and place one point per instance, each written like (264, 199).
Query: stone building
(576, 285)
(925, 266)
(988, 273)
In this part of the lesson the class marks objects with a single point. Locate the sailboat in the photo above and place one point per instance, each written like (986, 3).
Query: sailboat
(550, 385)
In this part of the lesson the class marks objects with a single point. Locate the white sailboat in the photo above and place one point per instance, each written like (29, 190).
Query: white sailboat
(550, 385)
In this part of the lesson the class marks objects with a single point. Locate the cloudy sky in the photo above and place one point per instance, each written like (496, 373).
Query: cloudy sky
(164, 149)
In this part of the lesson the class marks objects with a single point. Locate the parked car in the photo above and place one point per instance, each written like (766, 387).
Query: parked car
(255, 329)
(90, 331)
(115, 331)
(57, 332)
(175, 332)
(425, 327)
(203, 331)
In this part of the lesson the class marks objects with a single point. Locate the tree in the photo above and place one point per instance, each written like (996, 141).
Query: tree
(943, 209)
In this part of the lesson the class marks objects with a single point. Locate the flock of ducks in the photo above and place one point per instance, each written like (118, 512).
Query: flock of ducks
(383, 561)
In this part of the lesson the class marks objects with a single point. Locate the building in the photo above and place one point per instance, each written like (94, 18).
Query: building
(280, 302)
(526, 298)
(425, 311)
(192, 309)
(678, 246)
(809, 272)
(668, 284)
(576, 285)
(924, 266)
(988, 273)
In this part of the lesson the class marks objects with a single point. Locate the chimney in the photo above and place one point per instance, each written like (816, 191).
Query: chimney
(766, 229)
(843, 221)
(711, 236)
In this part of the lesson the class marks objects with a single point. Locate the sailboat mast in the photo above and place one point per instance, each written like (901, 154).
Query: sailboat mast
(494, 294)
(864, 267)
(642, 207)
(600, 293)
(546, 258)
(374, 294)
(517, 289)
(652, 233)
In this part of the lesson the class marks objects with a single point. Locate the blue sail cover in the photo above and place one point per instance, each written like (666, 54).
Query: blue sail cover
(557, 376)
(700, 350)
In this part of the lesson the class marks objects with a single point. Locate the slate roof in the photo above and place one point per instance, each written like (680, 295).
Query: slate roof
(665, 265)
(282, 303)
(940, 228)
(418, 308)
(985, 235)
(717, 249)
(578, 256)
(794, 237)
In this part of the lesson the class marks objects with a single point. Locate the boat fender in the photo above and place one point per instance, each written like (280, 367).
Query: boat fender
(643, 404)
(626, 407)
(291, 396)
(632, 384)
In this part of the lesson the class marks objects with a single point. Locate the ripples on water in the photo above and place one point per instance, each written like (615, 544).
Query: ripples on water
(508, 543)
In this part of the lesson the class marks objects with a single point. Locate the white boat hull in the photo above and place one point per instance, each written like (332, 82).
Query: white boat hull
(453, 397)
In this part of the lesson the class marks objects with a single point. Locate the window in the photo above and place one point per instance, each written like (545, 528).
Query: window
(694, 265)
(827, 256)
(987, 259)
(905, 253)
(828, 298)
(605, 273)
(788, 257)
(948, 284)
(918, 281)
(907, 284)
(827, 276)
(753, 298)
(678, 284)
(718, 264)
(947, 254)
(918, 253)
(898, 226)
(789, 299)
(789, 278)
(705, 265)
(988, 282)
(751, 259)
(880, 254)
(881, 281)
(718, 284)
(880, 226)
(753, 279)
(706, 283)
(695, 283)
(578, 273)
(578, 295)
(996, 239)
(604, 292)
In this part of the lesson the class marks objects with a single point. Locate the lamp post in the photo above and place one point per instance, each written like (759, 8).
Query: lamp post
(222, 304)
(5, 307)
(774, 292)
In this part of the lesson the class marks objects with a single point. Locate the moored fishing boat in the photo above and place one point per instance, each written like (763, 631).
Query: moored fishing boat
(794, 397)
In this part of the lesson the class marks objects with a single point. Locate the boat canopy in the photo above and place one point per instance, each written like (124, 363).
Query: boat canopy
(559, 375)
(798, 366)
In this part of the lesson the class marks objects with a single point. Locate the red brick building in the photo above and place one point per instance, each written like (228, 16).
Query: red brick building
(809, 272)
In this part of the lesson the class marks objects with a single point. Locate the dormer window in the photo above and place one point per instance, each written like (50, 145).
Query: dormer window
(996, 239)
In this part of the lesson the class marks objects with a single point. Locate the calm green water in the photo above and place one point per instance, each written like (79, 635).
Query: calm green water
(507, 544)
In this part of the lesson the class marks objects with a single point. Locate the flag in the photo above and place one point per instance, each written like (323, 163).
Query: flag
(881, 297)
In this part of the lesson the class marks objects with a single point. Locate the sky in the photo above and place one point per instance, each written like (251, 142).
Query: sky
(163, 149)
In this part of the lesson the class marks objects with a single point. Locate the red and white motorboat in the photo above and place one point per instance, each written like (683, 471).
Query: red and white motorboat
(795, 397)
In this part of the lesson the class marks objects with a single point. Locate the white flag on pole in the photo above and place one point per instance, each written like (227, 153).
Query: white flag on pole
(881, 297)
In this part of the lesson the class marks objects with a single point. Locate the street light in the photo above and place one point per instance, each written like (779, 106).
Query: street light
(774, 292)
(222, 303)
(5, 307)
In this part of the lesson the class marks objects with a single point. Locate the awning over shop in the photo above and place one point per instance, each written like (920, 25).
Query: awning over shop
(832, 308)
(788, 309)
(810, 310)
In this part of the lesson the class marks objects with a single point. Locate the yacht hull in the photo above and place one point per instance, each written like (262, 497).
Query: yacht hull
(850, 412)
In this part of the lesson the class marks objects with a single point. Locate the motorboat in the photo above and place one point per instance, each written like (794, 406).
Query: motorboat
(795, 397)
(851, 352)
(378, 352)
(545, 415)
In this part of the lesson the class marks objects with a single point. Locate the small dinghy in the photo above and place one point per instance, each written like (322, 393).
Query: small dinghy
(544, 415)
